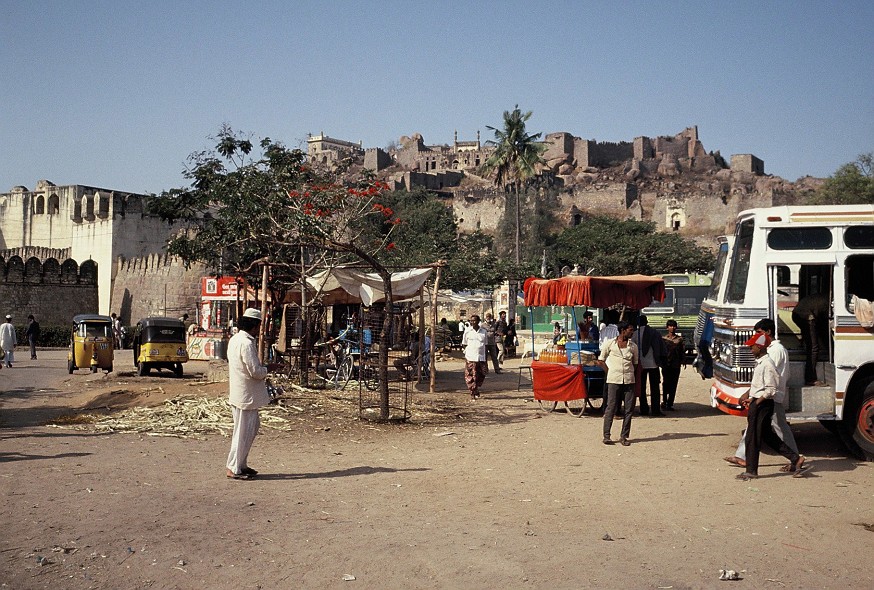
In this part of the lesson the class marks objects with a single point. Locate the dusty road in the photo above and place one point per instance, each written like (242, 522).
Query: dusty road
(487, 494)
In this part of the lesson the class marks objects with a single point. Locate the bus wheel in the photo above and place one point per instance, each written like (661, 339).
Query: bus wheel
(858, 424)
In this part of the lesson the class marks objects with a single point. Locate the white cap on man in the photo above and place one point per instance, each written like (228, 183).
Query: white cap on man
(253, 313)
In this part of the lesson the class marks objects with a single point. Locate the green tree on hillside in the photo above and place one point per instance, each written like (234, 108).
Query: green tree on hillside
(853, 183)
(608, 246)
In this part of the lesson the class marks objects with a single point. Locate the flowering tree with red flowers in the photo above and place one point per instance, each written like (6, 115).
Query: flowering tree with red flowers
(243, 209)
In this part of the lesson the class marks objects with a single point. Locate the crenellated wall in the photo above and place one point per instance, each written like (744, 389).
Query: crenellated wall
(52, 291)
(155, 285)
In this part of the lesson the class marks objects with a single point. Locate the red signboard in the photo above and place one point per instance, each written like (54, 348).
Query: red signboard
(219, 288)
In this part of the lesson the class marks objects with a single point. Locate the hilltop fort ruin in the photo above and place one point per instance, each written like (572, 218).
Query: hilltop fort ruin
(104, 245)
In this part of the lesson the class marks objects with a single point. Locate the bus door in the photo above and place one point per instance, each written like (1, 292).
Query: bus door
(800, 301)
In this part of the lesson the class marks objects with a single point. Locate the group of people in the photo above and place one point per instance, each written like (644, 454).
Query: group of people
(9, 339)
(658, 359)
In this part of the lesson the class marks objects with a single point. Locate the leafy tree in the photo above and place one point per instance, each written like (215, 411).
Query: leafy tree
(608, 246)
(853, 183)
(244, 208)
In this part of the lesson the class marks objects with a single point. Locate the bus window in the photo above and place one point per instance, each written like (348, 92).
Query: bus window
(859, 277)
(666, 306)
(800, 238)
(859, 237)
(740, 263)
(721, 258)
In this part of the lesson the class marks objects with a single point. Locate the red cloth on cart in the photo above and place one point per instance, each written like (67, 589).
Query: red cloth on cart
(636, 291)
(556, 382)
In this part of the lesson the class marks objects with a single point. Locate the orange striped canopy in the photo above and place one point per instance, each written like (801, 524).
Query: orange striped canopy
(636, 291)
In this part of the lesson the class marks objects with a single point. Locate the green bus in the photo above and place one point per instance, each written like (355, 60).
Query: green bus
(683, 296)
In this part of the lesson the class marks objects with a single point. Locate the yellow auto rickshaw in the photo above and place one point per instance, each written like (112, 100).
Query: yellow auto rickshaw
(91, 343)
(159, 343)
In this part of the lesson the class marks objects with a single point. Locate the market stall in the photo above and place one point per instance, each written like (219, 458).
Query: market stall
(567, 376)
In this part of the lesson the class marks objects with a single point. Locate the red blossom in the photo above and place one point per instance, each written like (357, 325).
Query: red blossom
(390, 246)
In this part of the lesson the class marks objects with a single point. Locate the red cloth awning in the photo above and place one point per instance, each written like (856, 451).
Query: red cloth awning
(636, 291)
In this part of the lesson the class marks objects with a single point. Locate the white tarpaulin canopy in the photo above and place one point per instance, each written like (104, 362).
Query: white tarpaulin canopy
(368, 286)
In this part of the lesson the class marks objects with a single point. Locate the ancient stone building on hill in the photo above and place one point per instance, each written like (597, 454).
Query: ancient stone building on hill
(669, 180)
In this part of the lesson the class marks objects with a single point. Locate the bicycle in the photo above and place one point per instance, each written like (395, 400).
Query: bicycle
(339, 367)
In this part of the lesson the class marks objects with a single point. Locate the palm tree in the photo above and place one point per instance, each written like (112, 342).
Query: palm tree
(516, 156)
(514, 161)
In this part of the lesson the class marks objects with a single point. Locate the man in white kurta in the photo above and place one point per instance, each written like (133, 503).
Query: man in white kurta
(248, 393)
(8, 340)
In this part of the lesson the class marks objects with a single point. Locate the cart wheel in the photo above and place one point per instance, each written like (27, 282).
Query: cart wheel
(576, 407)
(596, 403)
(546, 405)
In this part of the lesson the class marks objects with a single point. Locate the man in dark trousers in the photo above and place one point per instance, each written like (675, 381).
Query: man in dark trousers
(32, 335)
(811, 317)
(759, 401)
(652, 354)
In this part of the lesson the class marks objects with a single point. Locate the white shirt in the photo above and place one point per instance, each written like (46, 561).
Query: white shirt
(608, 332)
(246, 374)
(777, 353)
(7, 336)
(765, 378)
(474, 343)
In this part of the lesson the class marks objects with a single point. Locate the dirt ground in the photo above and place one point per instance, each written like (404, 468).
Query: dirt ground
(491, 493)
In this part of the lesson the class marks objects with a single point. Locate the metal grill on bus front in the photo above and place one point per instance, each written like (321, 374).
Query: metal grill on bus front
(741, 357)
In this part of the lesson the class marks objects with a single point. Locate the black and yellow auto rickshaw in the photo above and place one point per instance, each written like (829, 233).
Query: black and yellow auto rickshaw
(159, 343)
(91, 343)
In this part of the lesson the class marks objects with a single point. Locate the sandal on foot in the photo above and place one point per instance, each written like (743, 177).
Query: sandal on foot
(248, 471)
(240, 476)
(735, 461)
(798, 467)
(746, 476)
(607, 441)
(789, 468)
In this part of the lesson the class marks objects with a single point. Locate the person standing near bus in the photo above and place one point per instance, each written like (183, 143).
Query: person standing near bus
(759, 401)
(777, 352)
(652, 356)
(811, 316)
(675, 348)
(619, 358)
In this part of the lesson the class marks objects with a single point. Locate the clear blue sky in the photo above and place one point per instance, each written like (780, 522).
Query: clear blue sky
(116, 94)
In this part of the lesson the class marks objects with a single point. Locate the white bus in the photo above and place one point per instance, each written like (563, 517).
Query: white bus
(812, 257)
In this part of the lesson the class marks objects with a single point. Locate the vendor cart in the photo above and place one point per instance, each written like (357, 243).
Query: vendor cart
(573, 378)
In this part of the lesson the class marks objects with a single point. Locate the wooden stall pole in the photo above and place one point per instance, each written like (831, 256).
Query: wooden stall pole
(433, 376)
(264, 320)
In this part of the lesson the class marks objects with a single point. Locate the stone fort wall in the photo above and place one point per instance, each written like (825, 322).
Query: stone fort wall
(50, 290)
(155, 285)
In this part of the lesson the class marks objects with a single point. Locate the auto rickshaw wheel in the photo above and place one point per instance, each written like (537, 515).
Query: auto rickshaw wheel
(143, 369)
(94, 368)
(109, 369)
(70, 366)
(177, 368)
